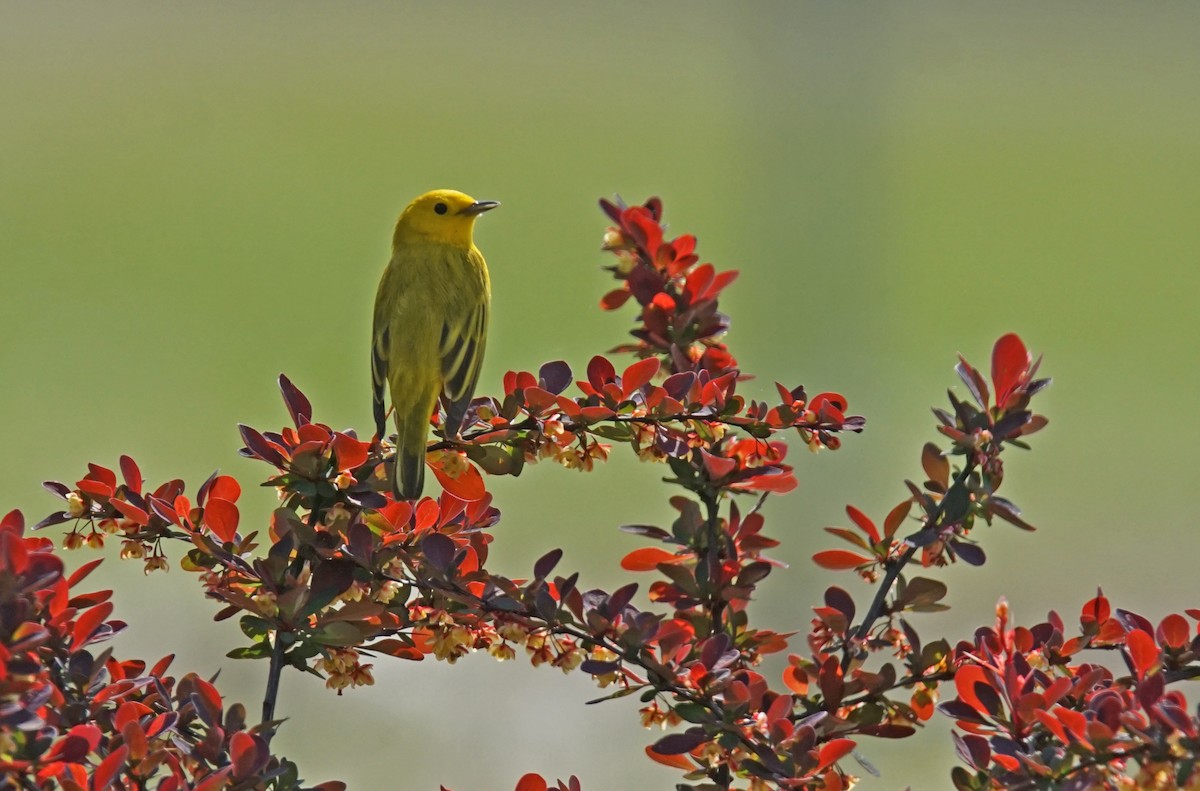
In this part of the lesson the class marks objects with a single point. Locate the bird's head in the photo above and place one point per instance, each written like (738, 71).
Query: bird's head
(445, 216)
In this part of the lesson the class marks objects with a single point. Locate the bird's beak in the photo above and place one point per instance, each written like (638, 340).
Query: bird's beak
(479, 207)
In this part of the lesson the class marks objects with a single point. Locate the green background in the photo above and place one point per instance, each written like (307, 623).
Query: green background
(197, 197)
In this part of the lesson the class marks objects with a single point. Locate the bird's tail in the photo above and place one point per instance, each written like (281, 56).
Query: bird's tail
(408, 475)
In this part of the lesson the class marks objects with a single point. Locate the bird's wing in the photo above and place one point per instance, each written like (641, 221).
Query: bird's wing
(461, 351)
(381, 351)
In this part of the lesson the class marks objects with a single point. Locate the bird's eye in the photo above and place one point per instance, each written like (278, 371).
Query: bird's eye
(440, 208)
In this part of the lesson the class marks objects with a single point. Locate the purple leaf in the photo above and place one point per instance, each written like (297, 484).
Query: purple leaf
(297, 404)
(554, 376)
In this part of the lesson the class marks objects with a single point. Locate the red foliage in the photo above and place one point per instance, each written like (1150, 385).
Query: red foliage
(345, 573)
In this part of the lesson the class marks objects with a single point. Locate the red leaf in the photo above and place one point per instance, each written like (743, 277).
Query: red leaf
(209, 697)
(698, 282)
(221, 517)
(398, 649)
(466, 484)
(719, 283)
(131, 512)
(81, 572)
(225, 487)
(160, 667)
(531, 782)
(840, 559)
(647, 559)
(1095, 610)
(1010, 361)
(770, 480)
(600, 372)
(107, 771)
(132, 475)
(795, 679)
(1173, 632)
(864, 523)
(638, 375)
(965, 680)
(593, 414)
(680, 762)
(717, 466)
(350, 452)
(427, 515)
(615, 298)
(88, 622)
(1142, 651)
(1054, 725)
(94, 488)
(243, 751)
(397, 513)
(539, 400)
(103, 475)
(14, 557)
(833, 751)
(13, 521)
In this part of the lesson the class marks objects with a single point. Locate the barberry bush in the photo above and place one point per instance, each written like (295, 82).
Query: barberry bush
(343, 577)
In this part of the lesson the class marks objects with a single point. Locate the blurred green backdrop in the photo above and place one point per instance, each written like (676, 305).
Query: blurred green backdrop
(197, 197)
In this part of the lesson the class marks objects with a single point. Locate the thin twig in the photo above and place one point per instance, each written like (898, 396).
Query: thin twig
(894, 567)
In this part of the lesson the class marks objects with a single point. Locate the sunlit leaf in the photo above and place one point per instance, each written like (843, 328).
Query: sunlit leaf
(840, 559)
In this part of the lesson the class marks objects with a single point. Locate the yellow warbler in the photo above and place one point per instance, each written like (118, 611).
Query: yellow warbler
(431, 321)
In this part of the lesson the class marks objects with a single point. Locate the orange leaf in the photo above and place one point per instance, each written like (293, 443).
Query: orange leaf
(674, 761)
(350, 453)
(647, 559)
(225, 487)
(796, 680)
(131, 512)
(638, 375)
(840, 559)
(773, 480)
(532, 782)
(864, 523)
(396, 513)
(221, 517)
(1173, 631)
(965, 680)
(833, 751)
(1142, 651)
(1096, 610)
(465, 484)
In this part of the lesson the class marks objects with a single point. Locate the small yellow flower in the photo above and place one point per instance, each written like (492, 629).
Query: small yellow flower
(387, 591)
(451, 643)
(356, 592)
(513, 632)
(76, 507)
(268, 603)
(502, 651)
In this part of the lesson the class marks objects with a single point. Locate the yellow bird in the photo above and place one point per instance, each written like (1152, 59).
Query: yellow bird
(431, 322)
